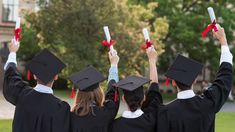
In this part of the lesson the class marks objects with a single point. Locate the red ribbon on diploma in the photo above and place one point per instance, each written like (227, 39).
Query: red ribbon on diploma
(17, 33)
(108, 44)
(148, 44)
(208, 28)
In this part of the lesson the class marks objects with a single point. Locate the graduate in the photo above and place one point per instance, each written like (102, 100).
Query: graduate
(136, 119)
(37, 109)
(190, 112)
(92, 111)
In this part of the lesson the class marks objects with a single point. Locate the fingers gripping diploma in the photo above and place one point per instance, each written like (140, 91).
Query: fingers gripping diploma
(220, 35)
(152, 54)
(113, 57)
(13, 46)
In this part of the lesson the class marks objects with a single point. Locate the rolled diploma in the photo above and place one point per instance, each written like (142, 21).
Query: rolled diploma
(17, 23)
(108, 37)
(146, 34)
(211, 13)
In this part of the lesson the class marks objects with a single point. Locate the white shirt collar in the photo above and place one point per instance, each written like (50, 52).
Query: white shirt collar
(186, 94)
(43, 89)
(129, 114)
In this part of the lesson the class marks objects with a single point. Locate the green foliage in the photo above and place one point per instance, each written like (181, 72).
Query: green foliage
(29, 44)
(187, 19)
(74, 31)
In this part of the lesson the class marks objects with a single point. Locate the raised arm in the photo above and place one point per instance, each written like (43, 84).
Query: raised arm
(153, 96)
(112, 96)
(152, 57)
(13, 83)
(113, 76)
(222, 84)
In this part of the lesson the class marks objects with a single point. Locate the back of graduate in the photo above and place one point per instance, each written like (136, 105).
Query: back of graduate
(190, 112)
(93, 111)
(37, 109)
(141, 114)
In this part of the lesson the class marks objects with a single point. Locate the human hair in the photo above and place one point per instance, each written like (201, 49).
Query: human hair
(84, 101)
(182, 86)
(46, 84)
(134, 99)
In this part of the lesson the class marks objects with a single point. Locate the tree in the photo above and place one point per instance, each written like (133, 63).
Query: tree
(29, 44)
(73, 30)
(187, 19)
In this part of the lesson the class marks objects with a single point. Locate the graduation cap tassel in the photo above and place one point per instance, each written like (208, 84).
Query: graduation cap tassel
(72, 93)
(28, 75)
(167, 82)
(115, 96)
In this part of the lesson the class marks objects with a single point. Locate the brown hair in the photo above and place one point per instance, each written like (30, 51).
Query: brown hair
(182, 86)
(84, 101)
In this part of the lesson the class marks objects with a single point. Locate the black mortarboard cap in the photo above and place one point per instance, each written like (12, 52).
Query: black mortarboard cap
(184, 70)
(45, 66)
(132, 83)
(87, 79)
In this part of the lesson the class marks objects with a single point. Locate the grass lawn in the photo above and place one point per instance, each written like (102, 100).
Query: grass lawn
(62, 93)
(225, 122)
(5, 125)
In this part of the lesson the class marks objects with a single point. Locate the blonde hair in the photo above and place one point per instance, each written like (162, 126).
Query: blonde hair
(84, 101)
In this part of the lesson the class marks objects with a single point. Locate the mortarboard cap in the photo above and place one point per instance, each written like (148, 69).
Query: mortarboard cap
(45, 66)
(132, 83)
(184, 70)
(87, 79)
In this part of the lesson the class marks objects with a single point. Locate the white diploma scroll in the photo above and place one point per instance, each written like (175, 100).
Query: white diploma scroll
(211, 13)
(108, 37)
(17, 23)
(146, 34)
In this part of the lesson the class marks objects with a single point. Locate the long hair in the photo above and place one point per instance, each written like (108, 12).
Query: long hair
(84, 101)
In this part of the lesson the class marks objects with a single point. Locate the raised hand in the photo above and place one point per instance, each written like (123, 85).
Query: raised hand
(13, 46)
(220, 35)
(113, 58)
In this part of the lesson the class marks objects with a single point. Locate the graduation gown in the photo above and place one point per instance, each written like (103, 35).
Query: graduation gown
(34, 112)
(146, 122)
(103, 118)
(197, 114)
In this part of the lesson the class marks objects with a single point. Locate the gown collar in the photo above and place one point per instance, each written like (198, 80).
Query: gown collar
(186, 94)
(43, 89)
(129, 114)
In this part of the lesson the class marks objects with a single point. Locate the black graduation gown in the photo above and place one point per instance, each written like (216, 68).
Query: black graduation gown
(197, 114)
(104, 116)
(34, 112)
(146, 122)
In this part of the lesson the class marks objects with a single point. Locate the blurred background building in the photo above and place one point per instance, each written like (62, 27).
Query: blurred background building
(9, 11)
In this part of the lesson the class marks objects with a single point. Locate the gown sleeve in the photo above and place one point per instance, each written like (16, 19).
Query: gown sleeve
(112, 96)
(13, 85)
(153, 98)
(219, 91)
(61, 119)
(110, 101)
(221, 86)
